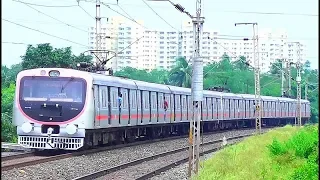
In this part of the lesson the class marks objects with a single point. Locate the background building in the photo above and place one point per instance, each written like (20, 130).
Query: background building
(159, 49)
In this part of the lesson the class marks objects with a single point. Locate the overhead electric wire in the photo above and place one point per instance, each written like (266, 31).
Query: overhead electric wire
(44, 33)
(300, 38)
(271, 13)
(123, 15)
(52, 17)
(159, 15)
(85, 11)
(126, 12)
(126, 48)
(48, 6)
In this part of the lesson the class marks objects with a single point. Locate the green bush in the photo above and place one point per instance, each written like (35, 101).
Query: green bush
(302, 145)
(277, 148)
(8, 131)
(308, 171)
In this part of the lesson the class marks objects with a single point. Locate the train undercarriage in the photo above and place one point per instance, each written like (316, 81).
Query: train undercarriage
(113, 136)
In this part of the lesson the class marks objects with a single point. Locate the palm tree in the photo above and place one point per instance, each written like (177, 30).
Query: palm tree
(181, 73)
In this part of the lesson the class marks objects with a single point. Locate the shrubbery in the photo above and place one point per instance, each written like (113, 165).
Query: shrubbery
(303, 145)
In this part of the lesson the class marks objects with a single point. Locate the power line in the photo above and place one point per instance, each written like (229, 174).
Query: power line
(22, 43)
(52, 17)
(159, 15)
(44, 33)
(123, 15)
(126, 12)
(48, 6)
(301, 38)
(126, 47)
(271, 13)
(85, 10)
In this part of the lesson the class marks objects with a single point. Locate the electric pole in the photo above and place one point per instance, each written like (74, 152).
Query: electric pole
(98, 32)
(196, 87)
(256, 74)
(299, 83)
(196, 92)
(306, 91)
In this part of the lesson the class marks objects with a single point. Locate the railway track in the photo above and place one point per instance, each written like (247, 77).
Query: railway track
(28, 159)
(32, 158)
(169, 159)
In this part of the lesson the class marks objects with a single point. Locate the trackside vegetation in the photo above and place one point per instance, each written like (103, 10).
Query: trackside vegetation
(284, 153)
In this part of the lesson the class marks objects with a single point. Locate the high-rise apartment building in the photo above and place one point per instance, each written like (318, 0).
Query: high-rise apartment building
(145, 49)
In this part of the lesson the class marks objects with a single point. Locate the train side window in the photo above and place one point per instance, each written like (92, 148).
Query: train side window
(154, 101)
(114, 94)
(209, 104)
(184, 103)
(146, 100)
(161, 102)
(168, 100)
(178, 104)
(124, 99)
(104, 99)
(133, 100)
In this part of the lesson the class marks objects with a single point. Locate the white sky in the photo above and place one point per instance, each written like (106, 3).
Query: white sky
(220, 15)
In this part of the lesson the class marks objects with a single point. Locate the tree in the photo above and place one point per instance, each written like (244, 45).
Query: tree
(8, 75)
(181, 73)
(45, 56)
(241, 64)
(274, 69)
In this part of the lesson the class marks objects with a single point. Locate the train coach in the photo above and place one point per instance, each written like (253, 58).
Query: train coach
(56, 108)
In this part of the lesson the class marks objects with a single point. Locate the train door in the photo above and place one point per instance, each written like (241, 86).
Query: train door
(231, 109)
(145, 107)
(219, 108)
(214, 108)
(153, 102)
(96, 105)
(103, 108)
(160, 108)
(167, 117)
(139, 108)
(236, 108)
(209, 104)
(189, 110)
(177, 107)
(226, 109)
(204, 109)
(133, 110)
(114, 110)
(124, 108)
(184, 109)
(172, 106)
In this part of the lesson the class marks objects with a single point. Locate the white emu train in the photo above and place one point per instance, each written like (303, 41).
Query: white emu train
(56, 108)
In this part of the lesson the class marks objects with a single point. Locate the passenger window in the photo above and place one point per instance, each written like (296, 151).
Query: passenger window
(154, 101)
(114, 99)
(146, 100)
(104, 103)
(125, 100)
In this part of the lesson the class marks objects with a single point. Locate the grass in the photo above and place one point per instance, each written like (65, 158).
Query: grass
(283, 153)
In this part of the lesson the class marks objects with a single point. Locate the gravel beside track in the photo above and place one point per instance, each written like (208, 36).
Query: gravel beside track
(81, 165)
(134, 172)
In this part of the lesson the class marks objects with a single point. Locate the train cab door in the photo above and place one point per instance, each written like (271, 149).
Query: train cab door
(96, 105)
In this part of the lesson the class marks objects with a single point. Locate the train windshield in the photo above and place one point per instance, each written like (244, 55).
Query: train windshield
(62, 89)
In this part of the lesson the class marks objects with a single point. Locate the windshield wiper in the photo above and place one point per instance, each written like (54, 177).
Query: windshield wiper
(64, 86)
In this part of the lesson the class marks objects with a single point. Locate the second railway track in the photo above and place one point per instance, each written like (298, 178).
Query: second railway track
(156, 164)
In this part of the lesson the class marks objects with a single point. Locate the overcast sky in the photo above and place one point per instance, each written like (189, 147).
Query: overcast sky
(219, 15)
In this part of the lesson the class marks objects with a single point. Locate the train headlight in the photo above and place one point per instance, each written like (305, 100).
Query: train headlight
(26, 127)
(71, 129)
